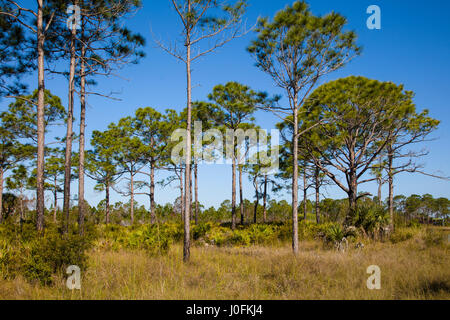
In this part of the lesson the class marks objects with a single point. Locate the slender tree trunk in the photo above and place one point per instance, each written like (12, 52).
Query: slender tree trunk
(187, 206)
(81, 204)
(305, 194)
(69, 134)
(1, 194)
(152, 193)
(265, 200)
(191, 189)
(241, 196)
(196, 192)
(107, 203)
(55, 198)
(295, 182)
(255, 210)
(317, 185)
(391, 191)
(380, 201)
(182, 194)
(40, 121)
(352, 198)
(21, 212)
(233, 194)
(132, 197)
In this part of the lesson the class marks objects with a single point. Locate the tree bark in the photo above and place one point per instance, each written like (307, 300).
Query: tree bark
(233, 194)
(391, 190)
(317, 185)
(255, 210)
(69, 134)
(40, 121)
(295, 182)
(81, 204)
(305, 194)
(190, 200)
(380, 202)
(241, 196)
(182, 195)
(55, 198)
(196, 192)
(187, 191)
(132, 197)
(352, 198)
(265, 200)
(107, 203)
(152, 193)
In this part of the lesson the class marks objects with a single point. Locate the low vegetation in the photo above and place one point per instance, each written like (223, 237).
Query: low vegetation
(251, 262)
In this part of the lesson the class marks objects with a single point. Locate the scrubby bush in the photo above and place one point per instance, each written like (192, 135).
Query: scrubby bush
(371, 218)
(402, 234)
(52, 254)
(200, 230)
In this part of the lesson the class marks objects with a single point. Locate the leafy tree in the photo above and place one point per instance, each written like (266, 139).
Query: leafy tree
(154, 130)
(232, 109)
(21, 116)
(297, 49)
(37, 21)
(355, 113)
(130, 154)
(408, 128)
(54, 171)
(105, 46)
(202, 21)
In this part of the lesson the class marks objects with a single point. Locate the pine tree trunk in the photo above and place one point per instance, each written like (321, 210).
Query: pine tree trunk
(21, 219)
(182, 195)
(55, 198)
(255, 210)
(107, 203)
(81, 204)
(40, 121)
(380, 202)
(132, 197)
(391, 191)
(317, 185)
(265, 200)
(233, 194)
(152, 193)
(69, 134)
(187, 191)
(196, 192)
(295, 182)
(191, 189)
(305, 195)
(241, 196)
(352, 198)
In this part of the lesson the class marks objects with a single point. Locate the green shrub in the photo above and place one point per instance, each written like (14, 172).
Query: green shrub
(239, 238)
(372, 218)
(401, 234)
(200, 230)
(218, 236)
(52, 254)
(262, 234)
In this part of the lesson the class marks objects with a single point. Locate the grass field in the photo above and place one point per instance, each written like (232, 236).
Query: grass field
(410, 269)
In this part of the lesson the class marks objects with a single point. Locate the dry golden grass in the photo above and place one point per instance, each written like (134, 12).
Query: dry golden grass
(409, 270)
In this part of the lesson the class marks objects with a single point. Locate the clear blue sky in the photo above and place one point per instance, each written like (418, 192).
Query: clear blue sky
(412, 48)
